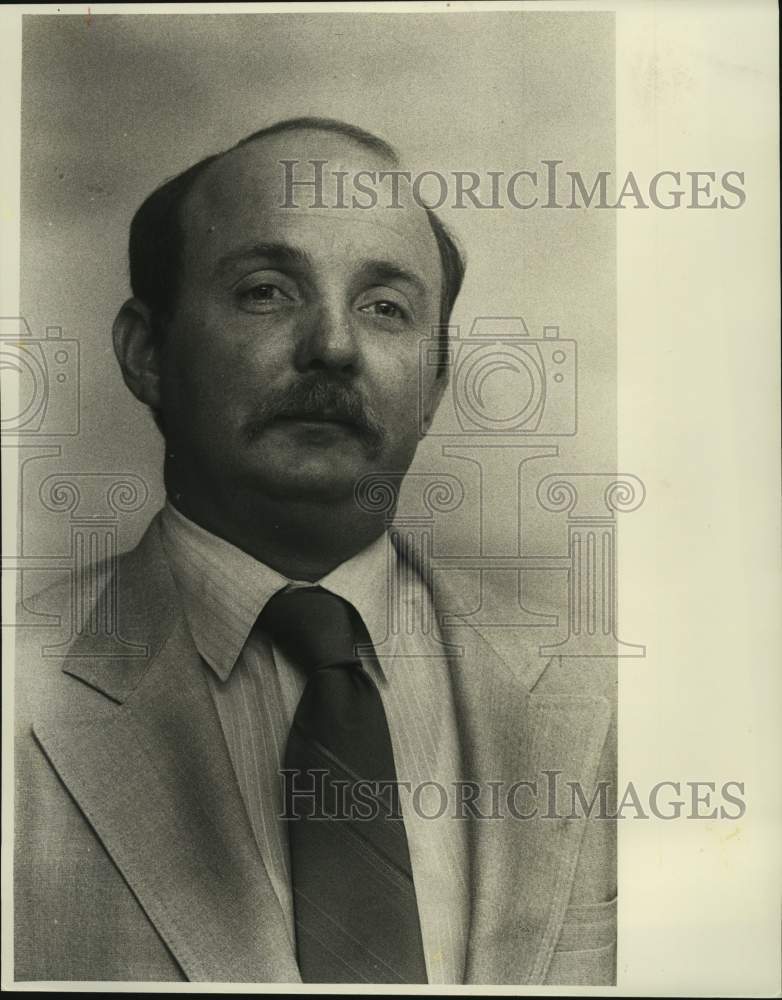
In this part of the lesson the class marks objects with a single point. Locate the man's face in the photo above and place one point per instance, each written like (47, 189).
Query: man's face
(291, 365)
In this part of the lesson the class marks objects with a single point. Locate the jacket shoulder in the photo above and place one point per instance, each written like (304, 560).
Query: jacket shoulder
(110, 609)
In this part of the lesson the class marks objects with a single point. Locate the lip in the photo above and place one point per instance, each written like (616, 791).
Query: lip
(315, 420)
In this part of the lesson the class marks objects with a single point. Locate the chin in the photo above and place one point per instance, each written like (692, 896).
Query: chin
(326, 472)
(308, 486)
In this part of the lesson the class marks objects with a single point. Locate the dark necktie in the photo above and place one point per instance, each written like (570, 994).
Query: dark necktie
(354, 901)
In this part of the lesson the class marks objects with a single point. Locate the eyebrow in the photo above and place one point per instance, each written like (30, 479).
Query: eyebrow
(384, 272)
(278, 253)
(286, 254)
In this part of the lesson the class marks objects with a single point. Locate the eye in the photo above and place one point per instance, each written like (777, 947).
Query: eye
(263, 293)
(385, 309)
(264, 296)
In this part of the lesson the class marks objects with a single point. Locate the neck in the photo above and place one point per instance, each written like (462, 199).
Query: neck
(302, 540)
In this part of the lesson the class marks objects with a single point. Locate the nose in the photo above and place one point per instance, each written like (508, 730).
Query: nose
(327, 341)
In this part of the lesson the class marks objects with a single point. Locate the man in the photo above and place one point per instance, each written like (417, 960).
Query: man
(278, 348)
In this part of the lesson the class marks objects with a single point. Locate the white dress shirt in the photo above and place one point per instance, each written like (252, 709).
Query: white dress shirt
(256, 691)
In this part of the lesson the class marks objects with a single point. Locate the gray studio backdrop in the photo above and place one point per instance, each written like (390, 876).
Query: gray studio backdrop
(114, 104)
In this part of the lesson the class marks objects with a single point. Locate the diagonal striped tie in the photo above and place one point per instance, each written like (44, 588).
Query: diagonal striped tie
(353, 894)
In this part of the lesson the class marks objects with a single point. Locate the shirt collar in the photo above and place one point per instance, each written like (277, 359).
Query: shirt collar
(363, 580)
(224, 589)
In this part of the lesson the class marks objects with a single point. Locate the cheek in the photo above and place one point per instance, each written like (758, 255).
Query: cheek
(401, 388)
(428, 380)
(198, 382)
(213, 365)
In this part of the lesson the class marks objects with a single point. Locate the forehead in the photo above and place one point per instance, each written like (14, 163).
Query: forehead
(240, 199)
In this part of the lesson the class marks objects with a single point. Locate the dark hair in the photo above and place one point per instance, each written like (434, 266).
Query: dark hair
(156, 234)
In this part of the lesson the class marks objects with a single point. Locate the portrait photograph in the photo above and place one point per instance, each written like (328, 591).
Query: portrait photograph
(390, 441)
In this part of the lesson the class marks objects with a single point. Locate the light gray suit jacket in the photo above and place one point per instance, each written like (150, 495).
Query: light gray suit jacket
(134, 856)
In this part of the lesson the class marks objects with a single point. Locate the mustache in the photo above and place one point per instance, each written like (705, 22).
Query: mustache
(320, 398)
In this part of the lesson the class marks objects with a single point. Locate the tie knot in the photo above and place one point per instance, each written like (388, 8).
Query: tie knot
(313, 627)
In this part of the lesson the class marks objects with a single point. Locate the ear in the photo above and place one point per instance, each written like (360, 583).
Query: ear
(138, 352)
(434, 398)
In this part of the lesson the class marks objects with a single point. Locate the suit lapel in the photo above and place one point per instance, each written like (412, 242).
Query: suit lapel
(153, 776)
(522, 870)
